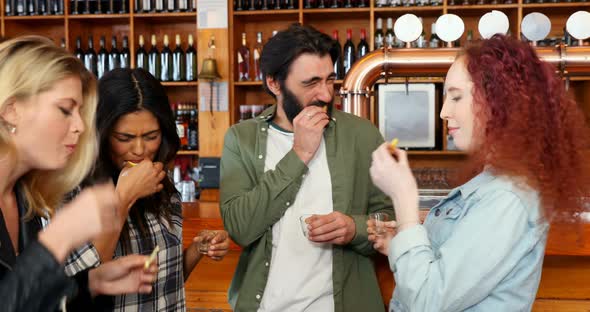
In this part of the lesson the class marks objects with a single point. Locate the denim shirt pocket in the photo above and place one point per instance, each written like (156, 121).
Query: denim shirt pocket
(443, 220)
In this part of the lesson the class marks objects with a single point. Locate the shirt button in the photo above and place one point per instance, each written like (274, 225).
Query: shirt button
(266, 263)
(263, 129)
(437, 212)
(260, 156)
(287, 203)
(257, 297)
(449, 211)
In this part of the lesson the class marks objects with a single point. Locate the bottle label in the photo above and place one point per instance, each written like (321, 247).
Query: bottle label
(180, 130)
(240, 59)
(256, 55)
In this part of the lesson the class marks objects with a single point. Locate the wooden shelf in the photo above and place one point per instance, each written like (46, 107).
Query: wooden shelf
(165, 14)
(265, 12)
(556, 5)
(34, 17)
(247, 83)
(180, 83)
(484, 7)
(187, 152)
(98, 16)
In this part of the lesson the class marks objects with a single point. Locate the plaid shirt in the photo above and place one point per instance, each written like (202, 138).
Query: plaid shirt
(168, 291)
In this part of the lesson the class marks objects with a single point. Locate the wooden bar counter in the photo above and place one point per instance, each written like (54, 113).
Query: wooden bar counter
(565, 282)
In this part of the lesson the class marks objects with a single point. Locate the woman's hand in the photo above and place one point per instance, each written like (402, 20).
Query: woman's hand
(140, 181)
(122, 276)
(92, 213)
(382, 240)
(390, 172)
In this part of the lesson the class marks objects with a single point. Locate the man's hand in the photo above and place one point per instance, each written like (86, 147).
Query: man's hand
(334, 228)
(308, 128)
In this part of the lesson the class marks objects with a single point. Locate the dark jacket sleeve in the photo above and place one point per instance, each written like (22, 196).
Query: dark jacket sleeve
(36, 283)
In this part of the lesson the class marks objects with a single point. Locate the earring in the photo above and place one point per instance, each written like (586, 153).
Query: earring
(12, 129)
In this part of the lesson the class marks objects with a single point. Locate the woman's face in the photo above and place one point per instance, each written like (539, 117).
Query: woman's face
(457, 108)
(48, 125)
(135, 136)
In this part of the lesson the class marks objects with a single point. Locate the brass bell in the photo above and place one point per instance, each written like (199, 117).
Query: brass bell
(209, 70)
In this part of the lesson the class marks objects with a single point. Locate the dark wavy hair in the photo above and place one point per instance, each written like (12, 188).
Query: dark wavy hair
(531, 128)
(122, 92)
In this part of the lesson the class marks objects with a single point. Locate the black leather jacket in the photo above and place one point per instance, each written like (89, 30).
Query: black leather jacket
(35, 281)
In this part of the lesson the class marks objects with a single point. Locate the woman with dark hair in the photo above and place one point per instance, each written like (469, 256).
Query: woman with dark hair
(137, 138)
(482, 248)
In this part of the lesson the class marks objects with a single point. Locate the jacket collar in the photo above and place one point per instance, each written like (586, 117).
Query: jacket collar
(28, 230)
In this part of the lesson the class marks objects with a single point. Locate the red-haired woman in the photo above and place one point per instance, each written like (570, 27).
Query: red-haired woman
(482, 248)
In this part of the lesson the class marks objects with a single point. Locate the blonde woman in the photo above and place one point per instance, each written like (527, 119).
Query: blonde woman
(47, 146)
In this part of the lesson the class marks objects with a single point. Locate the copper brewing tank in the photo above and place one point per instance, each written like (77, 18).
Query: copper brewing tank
(386, 62)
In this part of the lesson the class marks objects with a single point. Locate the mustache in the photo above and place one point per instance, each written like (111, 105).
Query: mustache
(320, 103)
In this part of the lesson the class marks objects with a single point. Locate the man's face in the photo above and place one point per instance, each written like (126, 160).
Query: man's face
(310, 82)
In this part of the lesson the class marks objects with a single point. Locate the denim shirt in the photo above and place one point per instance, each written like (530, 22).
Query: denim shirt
(480, 249)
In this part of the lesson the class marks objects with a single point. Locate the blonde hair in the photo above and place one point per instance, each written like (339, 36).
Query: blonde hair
(30, 65)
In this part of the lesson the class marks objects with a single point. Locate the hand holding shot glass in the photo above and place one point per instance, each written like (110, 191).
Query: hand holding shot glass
(333, 228)
(214, 244)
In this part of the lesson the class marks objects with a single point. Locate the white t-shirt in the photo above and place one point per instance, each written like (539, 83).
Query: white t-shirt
(300, 276)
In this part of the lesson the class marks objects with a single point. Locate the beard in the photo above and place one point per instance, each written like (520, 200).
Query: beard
(293, 107)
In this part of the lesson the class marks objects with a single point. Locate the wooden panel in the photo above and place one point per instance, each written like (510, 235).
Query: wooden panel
(212, 128)
(565, 277)
(542, 305)
(51, 28)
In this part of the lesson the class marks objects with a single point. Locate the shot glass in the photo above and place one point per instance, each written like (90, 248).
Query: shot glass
(207, 236)
(304, 225)
(380, 218)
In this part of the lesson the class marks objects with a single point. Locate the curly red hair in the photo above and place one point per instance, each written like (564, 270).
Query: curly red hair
(531, 129)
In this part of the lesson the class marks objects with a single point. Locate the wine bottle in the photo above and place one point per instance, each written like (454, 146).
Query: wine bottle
(389, 35)
(193, 131)
(349, 53)
(154, 59)
(178, 67)
(338, 65)
(257, 53)
(90, 57)
(114, 55)
(244, 60)
(434, 40)
(379, 34)
(125, 56)
(363, 46)
(141, 57)
(78, 52)
(102, 61)
(191, 60)
(166, 61)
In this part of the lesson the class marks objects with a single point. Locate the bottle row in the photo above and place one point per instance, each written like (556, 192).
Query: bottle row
(161, 6)
(168, 65)
(248, 64)
(99, 7)
(33, 7)
(252, 5)
(187, 125)
(103, 61)
(334, 4)
(56, 7)
(396, 3)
